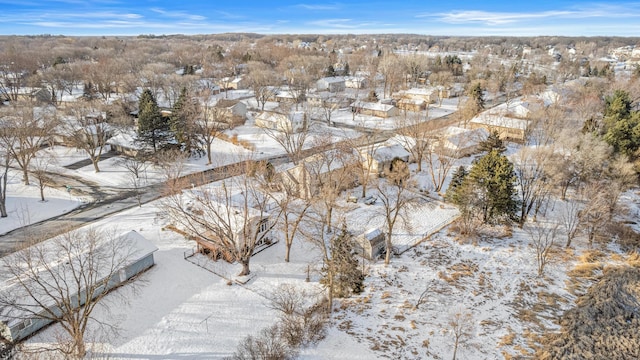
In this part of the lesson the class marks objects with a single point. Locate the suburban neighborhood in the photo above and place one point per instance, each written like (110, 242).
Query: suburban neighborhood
(261, 196)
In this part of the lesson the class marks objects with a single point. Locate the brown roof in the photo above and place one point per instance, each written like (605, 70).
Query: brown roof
(226, 103)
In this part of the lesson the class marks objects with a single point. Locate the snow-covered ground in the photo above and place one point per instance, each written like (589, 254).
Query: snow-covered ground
(182, 310)
(24, 205)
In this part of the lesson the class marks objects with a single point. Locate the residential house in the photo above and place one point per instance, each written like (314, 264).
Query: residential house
(126, 143)
(245, 224)
(508, 128)
(285, 97)
(415, 105)
(233, 83)
(307, 178)
(459, 142)
(331, 84)
(325, 98)
(427, 94)
(40, 95)
(16, 325)
(381, 159)
(96, 132)
(233, 112)
(356, 82)
(295, 121)
(374, 109)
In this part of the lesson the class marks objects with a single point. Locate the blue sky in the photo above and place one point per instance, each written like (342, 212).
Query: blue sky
(443, 17)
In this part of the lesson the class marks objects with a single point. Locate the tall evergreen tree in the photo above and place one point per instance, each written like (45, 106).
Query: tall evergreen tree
(475, 93)
(492, 180)
(152, 126)
(342, 272)
(457, 178)
(181, 122)
(621, 124)
(346, 69)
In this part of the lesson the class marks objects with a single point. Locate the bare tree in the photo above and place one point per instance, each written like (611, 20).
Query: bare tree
(64, 280)
(135, 166)
(391, 69)
(529, 166)
(462, 327)
(440, 160)
(543, 239)
(397, 201)
(208, 124)
(595, 214)
(228, 217)
(328, 174)
(292, 209)
(25, 129)
(415, 136)
(6, 163)
(87, 129)
(263, 81)
(17, 63)
(292, 139)
(570, 216)
(40, 170)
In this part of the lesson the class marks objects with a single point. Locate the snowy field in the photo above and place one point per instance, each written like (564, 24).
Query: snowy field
(24, 205)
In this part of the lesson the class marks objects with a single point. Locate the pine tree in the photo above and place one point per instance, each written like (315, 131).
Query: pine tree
(346, 69)
(342, 271)
(330, 72)
(493, 179)
(152, 127)
(493, 142)
(456, 181)
(181, 122)
(475, 93)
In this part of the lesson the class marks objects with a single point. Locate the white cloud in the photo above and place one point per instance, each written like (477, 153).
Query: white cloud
(318, 6)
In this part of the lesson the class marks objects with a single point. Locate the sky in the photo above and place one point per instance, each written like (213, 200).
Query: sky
(428, 17)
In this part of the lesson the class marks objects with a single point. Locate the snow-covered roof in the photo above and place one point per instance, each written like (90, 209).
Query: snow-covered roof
(501, 121)
(332, 79)
(127, 140)
(127, 248)
(461, 138)
(390, 152)
(372, 106)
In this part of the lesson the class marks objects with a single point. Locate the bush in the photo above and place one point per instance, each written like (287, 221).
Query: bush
(267, 345)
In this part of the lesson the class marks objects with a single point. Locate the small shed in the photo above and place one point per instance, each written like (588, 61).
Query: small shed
(370, 244)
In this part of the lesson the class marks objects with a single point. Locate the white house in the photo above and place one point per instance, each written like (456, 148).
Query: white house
(459, 142)
(374, 109)
(331, 84)
(296, 121)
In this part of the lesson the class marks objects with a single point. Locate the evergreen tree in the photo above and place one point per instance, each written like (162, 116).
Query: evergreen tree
(456, 181)
(346, 69)
(152, 126)
(492, 142)
(181, 122)
(493, 179)
(621, 124)
(475, 93)
(372, 96)
(342, 271)
(330, 72)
